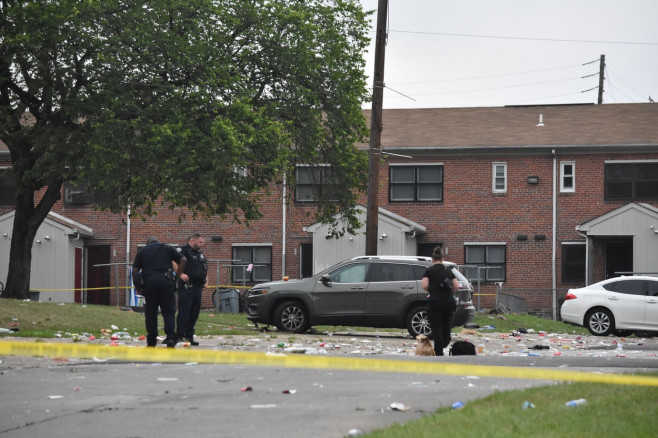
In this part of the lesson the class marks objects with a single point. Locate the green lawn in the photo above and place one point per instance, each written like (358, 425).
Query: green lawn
(610, 411)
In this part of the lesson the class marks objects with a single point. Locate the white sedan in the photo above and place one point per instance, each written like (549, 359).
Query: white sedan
(616, 305)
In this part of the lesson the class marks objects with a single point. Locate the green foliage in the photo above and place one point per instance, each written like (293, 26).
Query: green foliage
(611, 411)
(195, 104)
(144, 99)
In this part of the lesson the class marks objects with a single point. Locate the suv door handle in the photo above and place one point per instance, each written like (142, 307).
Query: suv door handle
(408, 287)
(357, 288)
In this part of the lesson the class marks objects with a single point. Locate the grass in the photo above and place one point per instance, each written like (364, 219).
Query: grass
(45, 320)
(610, 411)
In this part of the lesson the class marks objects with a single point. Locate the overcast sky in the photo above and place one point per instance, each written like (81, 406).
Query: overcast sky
(466, 53)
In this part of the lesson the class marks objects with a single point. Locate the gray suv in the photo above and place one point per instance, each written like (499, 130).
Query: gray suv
(368, 291)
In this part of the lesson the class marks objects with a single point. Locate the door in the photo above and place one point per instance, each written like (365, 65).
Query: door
(627, 299)
(306, 260)
(390, 288)
(344, 296)
(618, 257)
(98, 276)
(651, 309)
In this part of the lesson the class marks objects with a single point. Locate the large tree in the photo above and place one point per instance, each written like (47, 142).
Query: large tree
(151, 100)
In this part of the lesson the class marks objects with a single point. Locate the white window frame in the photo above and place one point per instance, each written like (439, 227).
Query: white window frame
(571, 189)
(494, 177)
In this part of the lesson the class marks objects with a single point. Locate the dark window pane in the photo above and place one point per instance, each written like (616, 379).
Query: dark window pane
(646, 189)
(429, 192)
(646, 171)
(430, 174)
(402, 192)
(620, 190)
(403, 174)
(619, 171)
(631, 287)
(385, 272)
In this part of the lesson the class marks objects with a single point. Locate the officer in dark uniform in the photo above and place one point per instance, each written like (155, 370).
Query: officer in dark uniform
(190, 288)
(155, 262)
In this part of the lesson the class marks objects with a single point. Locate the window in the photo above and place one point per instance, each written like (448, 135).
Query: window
(314, 182)
(415, 183)
(625, 286)
(259, 256)
(79, 195)
(568, 180)
(629, 181)
(491, 256)
(7, 187)
(499, 177)
(573, 263)
(353, 273)
(385, 272)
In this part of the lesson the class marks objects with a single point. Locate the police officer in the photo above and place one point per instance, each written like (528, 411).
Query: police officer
(155, 262)
(440, 283)
(190, 289)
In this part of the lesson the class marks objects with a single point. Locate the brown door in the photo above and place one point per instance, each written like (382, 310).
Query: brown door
(98, 276)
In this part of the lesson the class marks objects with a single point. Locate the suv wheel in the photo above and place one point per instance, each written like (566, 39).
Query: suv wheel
(600, 322)
(418, 323)
(291, 316)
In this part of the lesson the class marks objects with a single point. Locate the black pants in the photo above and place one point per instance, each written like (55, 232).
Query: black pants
(159, 292)
(189, 306)
(440, 317)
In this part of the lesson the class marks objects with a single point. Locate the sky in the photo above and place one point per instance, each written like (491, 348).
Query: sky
(482, 53)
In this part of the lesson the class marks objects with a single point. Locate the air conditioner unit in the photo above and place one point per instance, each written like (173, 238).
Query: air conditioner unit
(78, 197)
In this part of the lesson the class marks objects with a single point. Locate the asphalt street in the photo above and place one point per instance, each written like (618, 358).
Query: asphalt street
(63, 397)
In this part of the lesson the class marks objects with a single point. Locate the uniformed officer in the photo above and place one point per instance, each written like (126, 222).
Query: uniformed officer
(155, 262)
(190, 289)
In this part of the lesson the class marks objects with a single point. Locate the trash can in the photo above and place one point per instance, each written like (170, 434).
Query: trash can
(34, 295)
(230, 301)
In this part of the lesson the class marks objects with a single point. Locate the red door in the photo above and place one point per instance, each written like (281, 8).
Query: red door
(98, 276)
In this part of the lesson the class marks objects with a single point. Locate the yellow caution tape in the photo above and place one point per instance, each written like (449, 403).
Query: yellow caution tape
(128, 287)
(186, 355)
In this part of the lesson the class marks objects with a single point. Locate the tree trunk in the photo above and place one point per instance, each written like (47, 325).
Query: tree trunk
(27, 221)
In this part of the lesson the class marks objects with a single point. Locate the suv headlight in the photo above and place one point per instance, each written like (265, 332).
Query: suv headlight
(259, 291)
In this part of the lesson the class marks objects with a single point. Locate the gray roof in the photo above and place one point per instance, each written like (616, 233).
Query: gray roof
(516, 126)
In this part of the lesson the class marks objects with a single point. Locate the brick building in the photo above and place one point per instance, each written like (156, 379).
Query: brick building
(542, 198)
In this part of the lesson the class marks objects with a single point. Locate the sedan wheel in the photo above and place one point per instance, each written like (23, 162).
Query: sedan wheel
(600, 322)
(291, 317)
(418, 323)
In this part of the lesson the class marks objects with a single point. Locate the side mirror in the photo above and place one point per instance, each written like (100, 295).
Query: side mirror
(325, 279)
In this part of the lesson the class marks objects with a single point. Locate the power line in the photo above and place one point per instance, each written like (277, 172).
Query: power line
(487, 77)
(499, 88)
(465, 35)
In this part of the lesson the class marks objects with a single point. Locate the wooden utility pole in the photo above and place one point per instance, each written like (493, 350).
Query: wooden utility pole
(372, 214)
(601, 77)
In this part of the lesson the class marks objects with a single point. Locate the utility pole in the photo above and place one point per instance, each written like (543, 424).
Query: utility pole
(601, 77)
(372, 214)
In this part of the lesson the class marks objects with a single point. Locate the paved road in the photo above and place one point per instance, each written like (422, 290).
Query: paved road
(63, 398)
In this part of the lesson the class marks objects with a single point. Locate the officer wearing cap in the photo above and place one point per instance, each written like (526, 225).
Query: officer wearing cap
(155, 263)
(190, 289)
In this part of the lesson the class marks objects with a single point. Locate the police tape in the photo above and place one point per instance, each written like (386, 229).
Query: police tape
(83, 289)
(201, 356)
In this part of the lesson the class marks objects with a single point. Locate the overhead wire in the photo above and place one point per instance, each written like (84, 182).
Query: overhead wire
(465, 35)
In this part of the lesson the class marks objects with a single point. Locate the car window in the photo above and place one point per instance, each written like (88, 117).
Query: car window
(382, 272)
(627, 286)
(352, 273)
(419, 270)
(652, 288)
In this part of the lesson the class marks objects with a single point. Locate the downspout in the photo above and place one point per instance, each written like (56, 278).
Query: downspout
(283, 230)
(553, 263)
(586, 256)
(128, 277)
